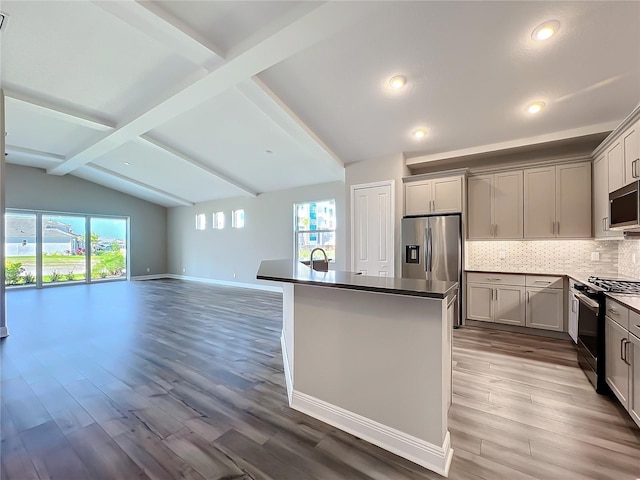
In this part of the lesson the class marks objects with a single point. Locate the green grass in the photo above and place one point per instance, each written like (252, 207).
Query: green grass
(51, 260)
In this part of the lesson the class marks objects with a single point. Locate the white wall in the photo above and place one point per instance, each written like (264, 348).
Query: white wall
(376, 170)
(32, 188)
(234, 255)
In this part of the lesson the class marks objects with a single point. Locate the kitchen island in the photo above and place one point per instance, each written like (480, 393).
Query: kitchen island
(370, 355)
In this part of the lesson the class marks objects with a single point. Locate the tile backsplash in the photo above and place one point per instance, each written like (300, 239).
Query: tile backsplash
(553, 256)
(629, 258)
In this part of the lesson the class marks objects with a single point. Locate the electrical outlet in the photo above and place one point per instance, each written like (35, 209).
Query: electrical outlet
(184, 270)
(148, 269)
(595, 256)
(502, 255)
(234, 275)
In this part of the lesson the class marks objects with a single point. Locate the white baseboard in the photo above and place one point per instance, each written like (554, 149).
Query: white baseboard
(150, 277)
(4, 332)
(213, 281)
(287, 371)
(434, 457)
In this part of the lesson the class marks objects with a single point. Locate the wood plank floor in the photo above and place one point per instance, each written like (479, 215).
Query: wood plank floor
(166, 379)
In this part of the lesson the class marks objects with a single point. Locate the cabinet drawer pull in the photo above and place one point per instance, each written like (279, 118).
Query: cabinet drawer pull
(543, 281)
(494, 279)
(613, 311)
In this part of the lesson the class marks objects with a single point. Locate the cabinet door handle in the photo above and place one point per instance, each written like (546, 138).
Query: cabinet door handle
(496, 294)
(558, 228)
(495, 229)
(433, 207)
(622, 340)
(634, 168)
(626, 352)
(553, 228)
(527, 297)
(604, 224)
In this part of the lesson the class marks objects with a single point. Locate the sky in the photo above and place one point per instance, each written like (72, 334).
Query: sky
(104, 227)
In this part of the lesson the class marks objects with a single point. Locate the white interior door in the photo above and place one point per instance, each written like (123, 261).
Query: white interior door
(372, 229)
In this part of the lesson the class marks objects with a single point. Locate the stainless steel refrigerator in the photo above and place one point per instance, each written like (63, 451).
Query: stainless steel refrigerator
(432, 249)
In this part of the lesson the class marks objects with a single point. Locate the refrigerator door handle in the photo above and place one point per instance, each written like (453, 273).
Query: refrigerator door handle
(428, 251)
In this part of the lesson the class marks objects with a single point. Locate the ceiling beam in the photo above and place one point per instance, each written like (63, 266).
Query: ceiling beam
(279, 113)
(56, 159)
(185, 158)
(37, 154)
(151, 20)
(273, 47)
(157, 191)
(43, 107)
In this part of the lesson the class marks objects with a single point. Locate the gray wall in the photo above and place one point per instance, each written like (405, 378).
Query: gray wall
(33, 188)
(234, 255)
(376, 170)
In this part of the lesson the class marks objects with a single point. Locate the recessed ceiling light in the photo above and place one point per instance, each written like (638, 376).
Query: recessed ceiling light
(535, 107)
(546, 30)
(420, 133)
(398, 81)
(127, 163)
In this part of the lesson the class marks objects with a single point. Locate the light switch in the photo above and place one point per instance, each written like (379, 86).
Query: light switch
(502, 255)
(595, 256)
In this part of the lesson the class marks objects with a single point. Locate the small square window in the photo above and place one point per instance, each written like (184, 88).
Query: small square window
(237, 219)
(218, 220)
(201, 221)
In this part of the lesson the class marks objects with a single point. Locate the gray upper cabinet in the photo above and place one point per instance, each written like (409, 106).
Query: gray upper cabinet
(557, 201)
(540, 202)
(601, 219)
(495, 206)
(623, 158)
(433, 195)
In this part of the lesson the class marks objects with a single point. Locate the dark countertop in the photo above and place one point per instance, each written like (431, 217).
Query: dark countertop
(292, 272)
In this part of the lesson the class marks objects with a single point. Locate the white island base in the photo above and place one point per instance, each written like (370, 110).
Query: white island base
(376, 365)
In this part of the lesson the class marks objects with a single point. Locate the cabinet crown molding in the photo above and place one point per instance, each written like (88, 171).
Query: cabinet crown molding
(626, 123)
(527, 165)
(444, 173)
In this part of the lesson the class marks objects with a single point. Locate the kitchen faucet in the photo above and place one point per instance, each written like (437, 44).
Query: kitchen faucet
(326, 259)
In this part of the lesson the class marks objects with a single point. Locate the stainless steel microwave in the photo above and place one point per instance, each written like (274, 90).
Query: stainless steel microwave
(624, 207)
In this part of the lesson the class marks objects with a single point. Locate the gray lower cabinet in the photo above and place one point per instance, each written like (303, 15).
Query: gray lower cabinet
(496, 303)
(544, 308)
(634, 379)
(623, 356)
(480, 302)
(617, 367)
(513, 299)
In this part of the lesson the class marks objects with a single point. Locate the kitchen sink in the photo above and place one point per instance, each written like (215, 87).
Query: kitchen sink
(318, 265)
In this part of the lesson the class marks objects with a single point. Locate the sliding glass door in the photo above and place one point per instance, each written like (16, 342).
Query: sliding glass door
(64, 257)
(108, 248)
(20, 249)
(44, 248)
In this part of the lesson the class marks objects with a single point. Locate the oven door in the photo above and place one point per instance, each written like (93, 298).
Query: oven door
(588, 328)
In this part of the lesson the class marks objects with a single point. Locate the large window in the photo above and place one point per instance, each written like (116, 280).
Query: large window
(43, 248)
(315, 226)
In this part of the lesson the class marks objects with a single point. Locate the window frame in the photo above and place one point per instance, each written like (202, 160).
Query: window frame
(296, 232)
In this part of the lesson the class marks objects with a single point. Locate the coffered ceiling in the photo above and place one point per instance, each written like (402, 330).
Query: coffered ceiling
(179, 102)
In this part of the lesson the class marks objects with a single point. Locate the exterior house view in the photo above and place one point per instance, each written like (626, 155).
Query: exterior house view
(320, 240)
